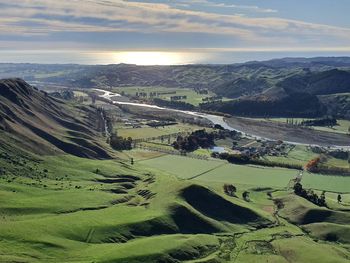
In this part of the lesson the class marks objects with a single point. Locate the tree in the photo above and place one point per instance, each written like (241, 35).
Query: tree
(322, 199)
(245, 196)
(132, 161)
(298, 188)
(339, 198)
(230, 189)
(119, 143)
(311, 166)
(310, 195)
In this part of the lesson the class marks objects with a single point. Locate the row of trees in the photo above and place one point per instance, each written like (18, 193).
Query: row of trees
(310, 195)
(181, 105)
(325, 122)
(244, 159)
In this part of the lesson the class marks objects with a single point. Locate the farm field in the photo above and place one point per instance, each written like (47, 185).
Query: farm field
(337, 163)
(330, 183)
(182, 167)
(299, 155)
(149, 132)
(253, 176)
(223, 172)
(217, 171)
(192, 96)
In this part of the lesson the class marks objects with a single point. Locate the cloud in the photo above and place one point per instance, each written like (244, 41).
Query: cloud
(251, 8)
(47, 17)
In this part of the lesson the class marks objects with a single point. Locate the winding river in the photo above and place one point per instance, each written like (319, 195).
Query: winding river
(215, 119)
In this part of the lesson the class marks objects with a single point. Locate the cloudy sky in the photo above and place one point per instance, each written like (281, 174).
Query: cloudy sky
(204, 26)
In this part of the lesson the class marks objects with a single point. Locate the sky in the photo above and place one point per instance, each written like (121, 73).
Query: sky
(171, 32)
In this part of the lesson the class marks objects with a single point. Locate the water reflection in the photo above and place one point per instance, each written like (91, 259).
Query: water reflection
(149, 57)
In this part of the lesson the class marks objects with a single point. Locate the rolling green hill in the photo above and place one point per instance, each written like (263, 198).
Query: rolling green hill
(66, 197)
(320, 83)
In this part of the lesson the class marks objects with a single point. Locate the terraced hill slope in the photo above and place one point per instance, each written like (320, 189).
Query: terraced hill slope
(58, 207)
(43, 124)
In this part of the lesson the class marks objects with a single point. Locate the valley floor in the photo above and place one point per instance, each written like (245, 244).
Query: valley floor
(275, 130)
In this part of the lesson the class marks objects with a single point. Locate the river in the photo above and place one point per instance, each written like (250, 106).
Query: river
(215, 119)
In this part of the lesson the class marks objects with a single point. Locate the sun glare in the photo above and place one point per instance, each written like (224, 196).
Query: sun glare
(149, 58)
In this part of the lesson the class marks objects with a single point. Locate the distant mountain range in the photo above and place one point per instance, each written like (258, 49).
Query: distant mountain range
(279, 87)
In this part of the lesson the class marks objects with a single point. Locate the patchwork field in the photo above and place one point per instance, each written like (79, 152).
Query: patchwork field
(192, 96)
(221, 171)
(217, 171)
(183, 167)
(251, 176)
(299, 155)
(149, 132)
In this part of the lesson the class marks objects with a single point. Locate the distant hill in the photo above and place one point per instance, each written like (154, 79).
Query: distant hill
(279, 87)
(319, 83)
(299, 104)
(36, 122)
(295, 96)
(241, 87)
(189, 76)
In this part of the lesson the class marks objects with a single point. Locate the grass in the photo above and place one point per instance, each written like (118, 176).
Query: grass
(299, 155)
(149, 132)
(192, 96)
(157, 217)
(337, 163)
(326, 182)
(182, 167)
(78, 93)
(249, 175)
(46, 218)
(221, 171)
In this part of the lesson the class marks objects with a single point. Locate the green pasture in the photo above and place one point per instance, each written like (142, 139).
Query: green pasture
(192, 97)
(149, 132)
(182, 167)
(221, 171)
(299, 155)
(331, 183)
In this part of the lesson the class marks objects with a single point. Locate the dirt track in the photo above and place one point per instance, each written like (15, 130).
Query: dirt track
(284, 132)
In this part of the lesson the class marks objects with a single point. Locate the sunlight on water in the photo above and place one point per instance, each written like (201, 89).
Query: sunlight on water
(157, 58)
(146, 57)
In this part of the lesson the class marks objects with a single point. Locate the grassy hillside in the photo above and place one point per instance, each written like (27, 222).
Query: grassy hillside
(87, 207)
(43, 124)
